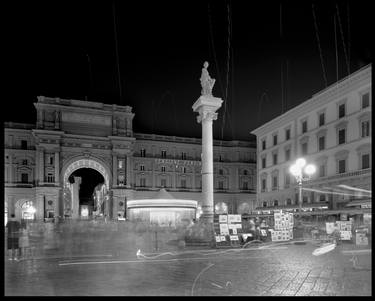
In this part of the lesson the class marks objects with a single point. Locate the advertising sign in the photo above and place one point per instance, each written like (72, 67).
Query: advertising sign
(223, 218)
(224, 230)
(234, 218)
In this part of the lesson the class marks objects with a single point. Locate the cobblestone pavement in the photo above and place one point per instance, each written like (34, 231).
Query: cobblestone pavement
(82, 269)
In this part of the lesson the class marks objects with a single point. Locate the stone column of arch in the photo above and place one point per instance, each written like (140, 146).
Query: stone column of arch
(127, 180)
(57, 167)
(114, 171)
(41, 165)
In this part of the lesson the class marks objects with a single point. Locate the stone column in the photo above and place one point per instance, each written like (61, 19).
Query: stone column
(41, 165)
(57, 167)
(114, 172)
(75, 197)
(206, 106)
(10, 168)
(127, 180)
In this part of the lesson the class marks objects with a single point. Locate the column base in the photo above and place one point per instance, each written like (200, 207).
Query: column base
(207, 218)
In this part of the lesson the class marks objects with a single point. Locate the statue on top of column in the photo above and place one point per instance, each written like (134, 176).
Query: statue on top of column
(207, 82)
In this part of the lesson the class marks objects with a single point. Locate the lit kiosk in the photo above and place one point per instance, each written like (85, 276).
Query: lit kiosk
(206, 106)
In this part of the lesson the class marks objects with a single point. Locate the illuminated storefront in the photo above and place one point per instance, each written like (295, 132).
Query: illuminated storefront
(163, 210)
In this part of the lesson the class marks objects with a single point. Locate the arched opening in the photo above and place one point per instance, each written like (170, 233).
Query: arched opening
(28, 211)
(85, 182)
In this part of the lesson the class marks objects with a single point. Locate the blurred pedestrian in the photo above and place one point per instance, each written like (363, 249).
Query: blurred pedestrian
(14, 227)
(24, 243)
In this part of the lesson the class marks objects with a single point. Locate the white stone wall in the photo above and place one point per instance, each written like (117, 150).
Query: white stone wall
(348, 91)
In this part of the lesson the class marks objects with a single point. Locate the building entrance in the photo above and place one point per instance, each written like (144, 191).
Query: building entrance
(83, 180)
(85, 183)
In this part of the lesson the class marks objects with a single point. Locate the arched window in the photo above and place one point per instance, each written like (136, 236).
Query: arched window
(275, 203)
(28, 210)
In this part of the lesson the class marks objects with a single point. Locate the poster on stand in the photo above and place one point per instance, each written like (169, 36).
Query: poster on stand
(223, 218)
(224, 230)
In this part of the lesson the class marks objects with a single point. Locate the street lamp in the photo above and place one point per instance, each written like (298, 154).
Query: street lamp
(301, 172)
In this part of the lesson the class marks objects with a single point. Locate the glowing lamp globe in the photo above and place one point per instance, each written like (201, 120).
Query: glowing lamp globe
(301, 162)
(310, 169)
(294, 170)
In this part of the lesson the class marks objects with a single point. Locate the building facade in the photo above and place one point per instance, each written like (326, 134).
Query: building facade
(331, 130)
(72, 134)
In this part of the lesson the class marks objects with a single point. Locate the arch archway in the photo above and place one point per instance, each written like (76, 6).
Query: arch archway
(81, 162)
(69, 204)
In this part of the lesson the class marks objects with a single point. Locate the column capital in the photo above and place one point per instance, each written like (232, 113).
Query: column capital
(206, 116)
(207, 106)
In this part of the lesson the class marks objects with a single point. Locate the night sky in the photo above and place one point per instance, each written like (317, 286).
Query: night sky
(68, 50)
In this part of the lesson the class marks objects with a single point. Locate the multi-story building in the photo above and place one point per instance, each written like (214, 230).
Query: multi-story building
(72, 134)
(330, 130)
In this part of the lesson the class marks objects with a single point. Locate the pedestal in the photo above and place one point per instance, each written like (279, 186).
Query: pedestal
(207, 106)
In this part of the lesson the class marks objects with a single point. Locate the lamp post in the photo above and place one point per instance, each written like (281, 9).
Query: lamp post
(301, 172)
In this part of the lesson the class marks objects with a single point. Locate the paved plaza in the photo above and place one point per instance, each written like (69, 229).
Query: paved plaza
(114, 264)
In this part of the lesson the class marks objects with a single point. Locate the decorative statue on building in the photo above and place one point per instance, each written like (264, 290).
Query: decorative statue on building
(207, 82)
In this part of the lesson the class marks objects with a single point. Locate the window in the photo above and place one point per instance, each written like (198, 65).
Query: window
(304, 199)
(342, 133)
(322, 198)
(287, 180)
(274, 183)
(23, 144)
(296, 198)
(264, 204)
(220, 158)
(164, 154)
(183, 156)
(163, 182)
(24, 162)
(163, 169)
(365, 128)
(365, 100)
(304, 126)
(143, 182)
(342, 165)
(312, 196)
(50, 160)
(274, 139)
(264, 162)
(143, 152)
(365, 161)
(183, 169)
(221, 172)
(322, 118)
(263, 184)
(50, 178)
(121, 180)
(264, 144)
(287, 154)
(287, 134)
(245, 186)
(245, 172)
(322, 170)
(275, 203)
(142, 167)
(341, 110)
(183, 183)
(288, 201)
(120, 164)
(321, 142)
(274, 159)
(24, 178)
(221, 185)
(304, 148)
